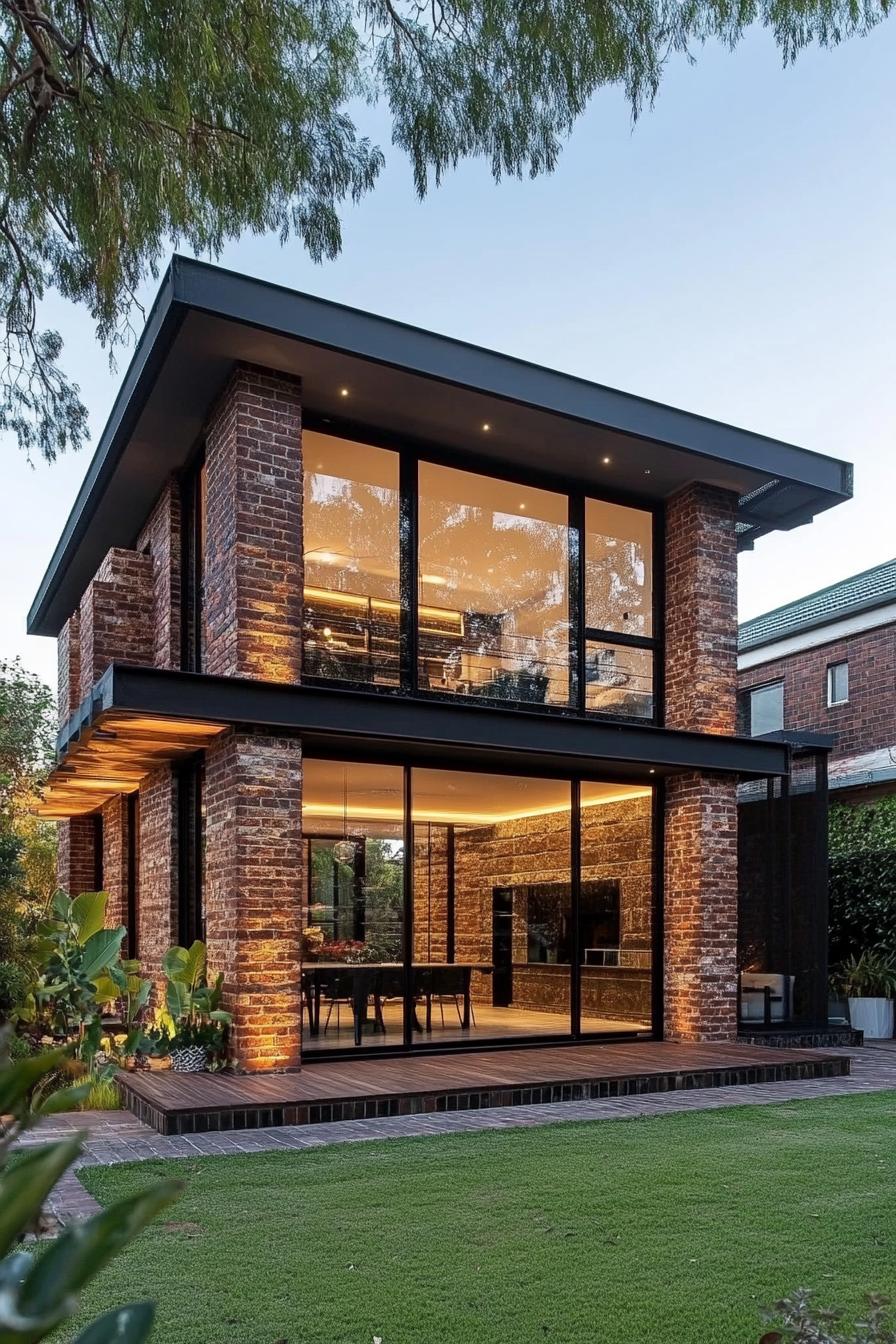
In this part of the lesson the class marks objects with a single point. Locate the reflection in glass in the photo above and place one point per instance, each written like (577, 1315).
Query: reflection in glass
(618, 679)
(351, 528)
(352, 977)
(493, 588)
(616, 907)
(618, 568)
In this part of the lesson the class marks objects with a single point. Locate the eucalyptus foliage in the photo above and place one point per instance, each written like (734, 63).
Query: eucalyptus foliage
(39, 1293)
(131, 124)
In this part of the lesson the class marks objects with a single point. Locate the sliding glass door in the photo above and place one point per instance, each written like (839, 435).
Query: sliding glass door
(446, 907)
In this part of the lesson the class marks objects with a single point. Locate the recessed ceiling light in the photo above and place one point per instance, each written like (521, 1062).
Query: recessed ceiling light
(606, 461)
(646, 471)
(652, 771)
(343, 391)
(522, 506)
(486, 427)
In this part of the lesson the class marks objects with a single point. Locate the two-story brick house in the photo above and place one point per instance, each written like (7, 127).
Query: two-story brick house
(827, 664)
(405, 673)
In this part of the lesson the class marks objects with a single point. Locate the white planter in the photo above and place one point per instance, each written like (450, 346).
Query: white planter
(872, 1016)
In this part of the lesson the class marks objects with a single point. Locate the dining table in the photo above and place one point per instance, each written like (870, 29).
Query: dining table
(385, 980)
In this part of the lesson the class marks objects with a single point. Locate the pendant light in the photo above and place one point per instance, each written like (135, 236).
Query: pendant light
(344, 849)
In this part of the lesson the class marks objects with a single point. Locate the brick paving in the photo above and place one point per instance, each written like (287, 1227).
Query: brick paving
(117, 1136)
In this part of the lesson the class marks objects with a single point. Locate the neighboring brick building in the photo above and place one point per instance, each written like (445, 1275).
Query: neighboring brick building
(404, 673)
(827, 664)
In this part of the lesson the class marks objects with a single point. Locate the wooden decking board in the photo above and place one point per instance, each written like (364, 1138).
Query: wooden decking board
(342, 1089)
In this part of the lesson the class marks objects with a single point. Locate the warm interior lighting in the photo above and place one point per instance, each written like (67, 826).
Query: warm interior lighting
(486, 427)
(606, 461)
(343, 391)
(454, 816)
(330, 597)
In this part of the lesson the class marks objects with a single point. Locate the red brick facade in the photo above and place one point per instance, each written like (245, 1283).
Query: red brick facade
(253, 891)
(700, 903)
(115, 858)
(867, 722)
(157, 881)
(76, 859)
(253, 567)
(68, 654)
(160, 541)
(116, 616)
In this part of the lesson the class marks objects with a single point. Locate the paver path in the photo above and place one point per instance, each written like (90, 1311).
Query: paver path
(116, 1136)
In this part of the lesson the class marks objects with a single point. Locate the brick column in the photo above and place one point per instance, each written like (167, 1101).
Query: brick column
(161, 539)
(700, 904)
(76, 855)
(253, 891)
(68, 654)
(115, 858)
(253, 557)
(157, 871)
(116, 616)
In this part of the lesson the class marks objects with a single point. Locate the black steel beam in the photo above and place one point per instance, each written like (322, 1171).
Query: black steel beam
(340, 721)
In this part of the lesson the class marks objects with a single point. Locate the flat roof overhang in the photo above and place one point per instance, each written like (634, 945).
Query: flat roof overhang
(410, 384)
(135, 711)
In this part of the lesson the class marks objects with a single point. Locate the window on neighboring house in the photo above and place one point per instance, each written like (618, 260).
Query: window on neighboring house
(764, 709)
(838, 683)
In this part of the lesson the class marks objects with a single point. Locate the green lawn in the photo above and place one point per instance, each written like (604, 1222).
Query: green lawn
(675, 1229)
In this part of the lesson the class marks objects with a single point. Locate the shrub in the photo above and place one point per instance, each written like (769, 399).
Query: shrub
(862, 878)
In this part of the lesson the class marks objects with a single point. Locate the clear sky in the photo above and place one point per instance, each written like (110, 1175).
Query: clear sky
(732, 254)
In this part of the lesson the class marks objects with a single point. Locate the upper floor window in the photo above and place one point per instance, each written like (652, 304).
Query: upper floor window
(763, 709)
(619, 646)
(493, 588)
(838, 683)
(511, 587)
(352, 590)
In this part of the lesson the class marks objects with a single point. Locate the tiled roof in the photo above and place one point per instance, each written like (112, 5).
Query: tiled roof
(872, 588)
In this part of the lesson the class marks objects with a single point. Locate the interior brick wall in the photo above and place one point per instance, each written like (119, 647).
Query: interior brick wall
(253, 560)
(68, 656)
(116, 616)
(115, 859)
(616, 843)
(161, 540)
(253, 891)
(157, 870)
(868, 721)
(76, 855)
(700, 884)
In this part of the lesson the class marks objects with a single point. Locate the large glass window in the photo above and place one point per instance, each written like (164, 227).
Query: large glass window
(353, 968)
(508, 594)
(493, 588)
(619, 645)
(506, 937)
(351, 524)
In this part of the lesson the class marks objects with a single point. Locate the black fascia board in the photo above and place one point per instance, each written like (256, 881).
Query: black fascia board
(197, 286)
(418, 727)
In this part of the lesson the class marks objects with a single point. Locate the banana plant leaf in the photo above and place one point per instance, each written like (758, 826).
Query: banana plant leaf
(82, 1249)
(61, 905)
(17, 1081)
(27, 1184)
(100, 950)
(88, 913)
(126, 1325)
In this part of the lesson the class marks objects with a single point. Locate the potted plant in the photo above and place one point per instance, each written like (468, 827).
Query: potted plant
(198, 1034)
(869, 983)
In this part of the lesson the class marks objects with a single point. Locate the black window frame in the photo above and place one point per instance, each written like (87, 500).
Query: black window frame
(745, 709)
(190, 775)
(410, 454)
